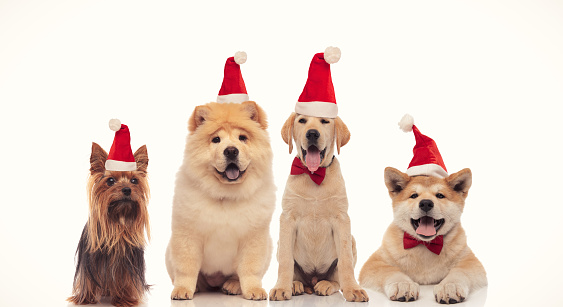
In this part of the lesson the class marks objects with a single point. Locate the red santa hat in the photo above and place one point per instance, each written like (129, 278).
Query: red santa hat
(120, 157)
(427, 160)
(317, 98)
(233, 88)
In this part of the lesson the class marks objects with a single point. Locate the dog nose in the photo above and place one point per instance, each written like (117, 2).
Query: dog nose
(426, 205)
(231, 152)
(313, 134)
(126, 191)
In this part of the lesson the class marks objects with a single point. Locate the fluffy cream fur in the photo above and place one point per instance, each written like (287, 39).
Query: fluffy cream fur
(222, 226)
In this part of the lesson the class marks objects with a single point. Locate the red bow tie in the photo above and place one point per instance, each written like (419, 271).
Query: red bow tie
(297, 168)
(434, 246)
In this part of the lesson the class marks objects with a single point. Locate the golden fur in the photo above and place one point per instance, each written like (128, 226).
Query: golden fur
(397, 271)
(220, 227)
(103, 231)
(314, 225)
(111, 248)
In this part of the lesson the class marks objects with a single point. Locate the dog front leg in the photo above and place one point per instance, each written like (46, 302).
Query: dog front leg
(378, 275)
(343, 239)
(283, 288)
(254, 260)
(185, 255)
(468, 275)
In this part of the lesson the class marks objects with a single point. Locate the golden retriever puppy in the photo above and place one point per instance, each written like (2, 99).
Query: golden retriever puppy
(425, 244)
(223, 203)
(316, 250)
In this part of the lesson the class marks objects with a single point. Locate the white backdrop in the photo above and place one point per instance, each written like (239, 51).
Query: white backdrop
(483, 78)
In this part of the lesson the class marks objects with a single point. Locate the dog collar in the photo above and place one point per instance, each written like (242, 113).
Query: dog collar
(297, 168)
(434, 246)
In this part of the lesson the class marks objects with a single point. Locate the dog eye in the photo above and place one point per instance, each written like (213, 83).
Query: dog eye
(134, 181)
(324, 121)
(414, 195)
(440, 195)
(110, 182)
(242, 138)
(302, 121)
(216, 139)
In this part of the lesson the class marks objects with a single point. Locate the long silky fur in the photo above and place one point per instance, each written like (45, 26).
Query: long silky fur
(110, 253)
(104, 232)
(119, 274)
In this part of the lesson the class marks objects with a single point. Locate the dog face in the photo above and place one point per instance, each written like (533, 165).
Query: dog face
(426, 207)
(118, 200)
(228, 145)
(315, 138)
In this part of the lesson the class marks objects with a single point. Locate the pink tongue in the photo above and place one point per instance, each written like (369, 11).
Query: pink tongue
(232, 172)
(313, 158)
(426, 227)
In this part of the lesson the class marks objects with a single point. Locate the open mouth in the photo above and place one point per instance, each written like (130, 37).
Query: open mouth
(313, 157)
(427, 227)
(232, 172)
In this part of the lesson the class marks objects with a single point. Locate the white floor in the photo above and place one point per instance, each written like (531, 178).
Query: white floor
(160, 297)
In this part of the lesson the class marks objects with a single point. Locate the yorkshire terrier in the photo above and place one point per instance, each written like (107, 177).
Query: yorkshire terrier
(110, 252)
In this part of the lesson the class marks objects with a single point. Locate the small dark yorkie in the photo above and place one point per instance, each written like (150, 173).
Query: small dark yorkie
(110, 253)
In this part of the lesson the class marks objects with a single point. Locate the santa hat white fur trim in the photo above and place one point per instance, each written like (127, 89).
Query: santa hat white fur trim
(317, 109)
(120, 166)
(236, 98)
(115, 124)
(433, 170)
(406, 123)
(240, 57)
(332, 55)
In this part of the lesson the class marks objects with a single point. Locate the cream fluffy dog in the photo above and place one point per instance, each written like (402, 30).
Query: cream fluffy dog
(316, 250)
(223, 204)
(425, 208)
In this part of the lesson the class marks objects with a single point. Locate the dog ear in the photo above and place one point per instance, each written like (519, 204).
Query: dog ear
(256, 113)
(460, 181)
(142, 158)
(287, 131)
(98, 159)
(395, 180)
(199, 116)
(342, 133)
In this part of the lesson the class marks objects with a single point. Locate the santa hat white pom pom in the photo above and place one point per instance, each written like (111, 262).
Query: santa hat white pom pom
(332, 55)
(406, 123)
(115, 124)
(240, 57)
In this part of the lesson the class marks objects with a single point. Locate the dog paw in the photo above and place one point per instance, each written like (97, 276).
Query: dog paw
(255, 294)
(325, 287)
(232, 287)
(298, 288)
(182, 293)
(404, 291)
(355, 295)
(280, 294)
(450, 293)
